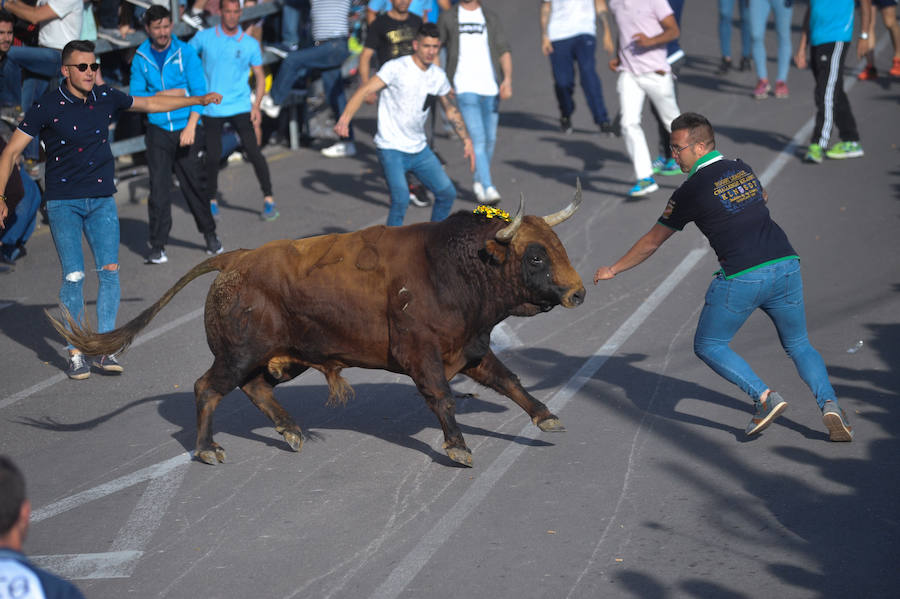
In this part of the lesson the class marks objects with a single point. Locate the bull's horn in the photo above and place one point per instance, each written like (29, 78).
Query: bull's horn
(558, 217)
(506, 234)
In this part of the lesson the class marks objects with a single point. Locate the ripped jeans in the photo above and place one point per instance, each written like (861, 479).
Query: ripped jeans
(98, 220)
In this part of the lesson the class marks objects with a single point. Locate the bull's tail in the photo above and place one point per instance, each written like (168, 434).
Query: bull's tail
(117, 341)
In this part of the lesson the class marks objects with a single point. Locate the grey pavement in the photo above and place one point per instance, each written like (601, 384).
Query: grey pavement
(653, 491)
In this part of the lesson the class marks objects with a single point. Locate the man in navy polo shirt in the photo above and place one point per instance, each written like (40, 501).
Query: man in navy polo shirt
(73, 122)
(759, 269)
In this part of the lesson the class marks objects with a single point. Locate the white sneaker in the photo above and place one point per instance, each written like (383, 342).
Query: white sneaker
(478, 188)
(268, 106)
(341, 149)
(193, 19)
(491, 195)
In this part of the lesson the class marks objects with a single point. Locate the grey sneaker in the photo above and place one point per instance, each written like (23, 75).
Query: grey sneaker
(156, 256)
(107, 364)
(78, 367)
(766, 411)
(213, 245)
(835, 420)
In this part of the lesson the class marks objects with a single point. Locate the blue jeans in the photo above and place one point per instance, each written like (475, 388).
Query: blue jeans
(20, 224)
(429, 171)
(581, 49)
(328, 58)
(777, 289)
(10, 84)
(726, 12)
(46, 63)
(759, 14)
(98, 220)
(481, 116)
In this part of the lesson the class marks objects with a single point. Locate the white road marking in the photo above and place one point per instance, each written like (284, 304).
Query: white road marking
(113, 486)
(504, 337)
(410, 566)
(127, 548)
(49, 382)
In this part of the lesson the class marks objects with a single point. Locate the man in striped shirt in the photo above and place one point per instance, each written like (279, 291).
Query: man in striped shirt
(330, 28)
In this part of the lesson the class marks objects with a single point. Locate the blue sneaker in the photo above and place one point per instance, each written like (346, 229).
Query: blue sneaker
(214, 209)
(658, 164)
(269, 212)
(669, 167)
(643, 187)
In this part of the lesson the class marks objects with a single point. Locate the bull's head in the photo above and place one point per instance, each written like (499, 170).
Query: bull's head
(546, 271)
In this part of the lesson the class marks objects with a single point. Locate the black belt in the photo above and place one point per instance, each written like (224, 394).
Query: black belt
(330, 39)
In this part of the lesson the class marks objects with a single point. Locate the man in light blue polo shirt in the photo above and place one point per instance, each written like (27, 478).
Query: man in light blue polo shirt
(228, 53)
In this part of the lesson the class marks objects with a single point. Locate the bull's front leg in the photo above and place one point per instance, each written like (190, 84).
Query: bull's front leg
(427, 371)
(439, 397)
(491, 372)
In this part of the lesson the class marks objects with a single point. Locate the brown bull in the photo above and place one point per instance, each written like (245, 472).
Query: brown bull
(420, 300)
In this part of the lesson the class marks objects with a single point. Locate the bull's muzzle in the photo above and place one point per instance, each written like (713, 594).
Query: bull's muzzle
(573, 298)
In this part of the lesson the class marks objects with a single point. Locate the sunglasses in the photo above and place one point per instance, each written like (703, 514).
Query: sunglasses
(94, 66)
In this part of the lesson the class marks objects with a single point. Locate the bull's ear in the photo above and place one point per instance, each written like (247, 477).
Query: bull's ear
(494, 251)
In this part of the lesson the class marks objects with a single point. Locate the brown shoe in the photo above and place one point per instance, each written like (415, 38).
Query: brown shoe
(835, 420)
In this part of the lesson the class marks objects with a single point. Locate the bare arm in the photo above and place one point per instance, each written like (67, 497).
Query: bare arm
(365, 71)
(800, 55)
(169, 103)
(259, 79)
(866, 24)
(506, 83)
(546, 44)
(670, 32)
(639, 252)
(455, 118)
(17, 144)
(32, 14)
(372, 86)
(603, 13)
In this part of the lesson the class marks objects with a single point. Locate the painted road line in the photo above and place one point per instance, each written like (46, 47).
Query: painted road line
(49, 382)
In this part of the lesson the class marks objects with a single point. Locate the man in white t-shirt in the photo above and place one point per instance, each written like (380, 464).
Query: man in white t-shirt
(60, 23)
(568, 37)
(412, 84)
(479, 64)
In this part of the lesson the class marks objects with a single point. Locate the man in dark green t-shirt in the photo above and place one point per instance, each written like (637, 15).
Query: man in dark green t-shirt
(759, 269)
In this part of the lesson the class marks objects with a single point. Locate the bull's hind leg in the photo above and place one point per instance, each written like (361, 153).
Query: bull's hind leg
(209, 391)
(491, 372)
(260, 391)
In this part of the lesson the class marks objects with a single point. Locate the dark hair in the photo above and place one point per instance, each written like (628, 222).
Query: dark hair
(12, 494)
(156, 12)
(76, 46)
(7, 17)
(428, 29)
(698, 126)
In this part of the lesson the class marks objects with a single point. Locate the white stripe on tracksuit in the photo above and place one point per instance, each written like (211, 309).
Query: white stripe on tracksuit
(834, 71)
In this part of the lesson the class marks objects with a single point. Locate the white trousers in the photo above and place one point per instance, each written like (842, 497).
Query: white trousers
(632, 91)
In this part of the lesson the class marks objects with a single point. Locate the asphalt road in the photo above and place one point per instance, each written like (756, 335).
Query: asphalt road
(653, 491)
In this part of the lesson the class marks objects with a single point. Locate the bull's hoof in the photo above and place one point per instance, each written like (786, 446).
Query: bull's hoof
(551, 425)
(460, 455)
(295, 440)
(211, 456)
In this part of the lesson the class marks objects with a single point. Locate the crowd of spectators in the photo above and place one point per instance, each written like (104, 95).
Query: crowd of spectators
(307, 45)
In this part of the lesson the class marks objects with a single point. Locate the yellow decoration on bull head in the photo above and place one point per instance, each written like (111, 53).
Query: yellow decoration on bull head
(491, 212)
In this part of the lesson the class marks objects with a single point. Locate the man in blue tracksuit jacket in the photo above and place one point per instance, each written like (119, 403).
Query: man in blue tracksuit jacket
(165, 65)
